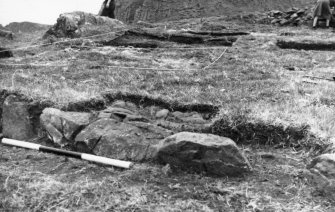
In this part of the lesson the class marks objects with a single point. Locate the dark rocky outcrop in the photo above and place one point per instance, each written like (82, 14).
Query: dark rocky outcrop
(81, 24)
(203, 153)
(158, 10)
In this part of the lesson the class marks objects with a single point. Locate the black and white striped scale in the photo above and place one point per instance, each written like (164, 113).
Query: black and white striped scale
(83, 156)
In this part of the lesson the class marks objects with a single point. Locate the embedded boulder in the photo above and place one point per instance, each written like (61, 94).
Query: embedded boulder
(135, 141)
(81, 24)
(203, 153)
(16, 119)
(62, 127)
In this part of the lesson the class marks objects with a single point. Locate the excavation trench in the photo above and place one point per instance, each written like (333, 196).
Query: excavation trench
(238, 129)
(306, 44)
(155, 38)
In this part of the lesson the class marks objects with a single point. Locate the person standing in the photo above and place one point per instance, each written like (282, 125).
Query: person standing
(322, 10)
(107, 9)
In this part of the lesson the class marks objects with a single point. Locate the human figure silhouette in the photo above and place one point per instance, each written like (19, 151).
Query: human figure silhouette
(107, 9)
(322, 10)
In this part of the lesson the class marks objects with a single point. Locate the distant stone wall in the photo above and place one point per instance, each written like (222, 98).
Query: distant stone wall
(158, 10)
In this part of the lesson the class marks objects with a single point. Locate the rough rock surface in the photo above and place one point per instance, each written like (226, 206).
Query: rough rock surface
(157, 10)
(81, 24)
(62, 127)
(325, 164)
(203, 152)
(16, 120)
(134, 141)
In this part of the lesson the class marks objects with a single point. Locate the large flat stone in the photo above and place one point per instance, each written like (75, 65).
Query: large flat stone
(135, 141)
(203, 153)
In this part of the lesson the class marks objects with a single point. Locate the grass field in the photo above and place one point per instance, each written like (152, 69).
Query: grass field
(267, 104)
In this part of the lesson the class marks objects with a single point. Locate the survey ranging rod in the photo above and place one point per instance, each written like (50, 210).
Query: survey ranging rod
(83, 156)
